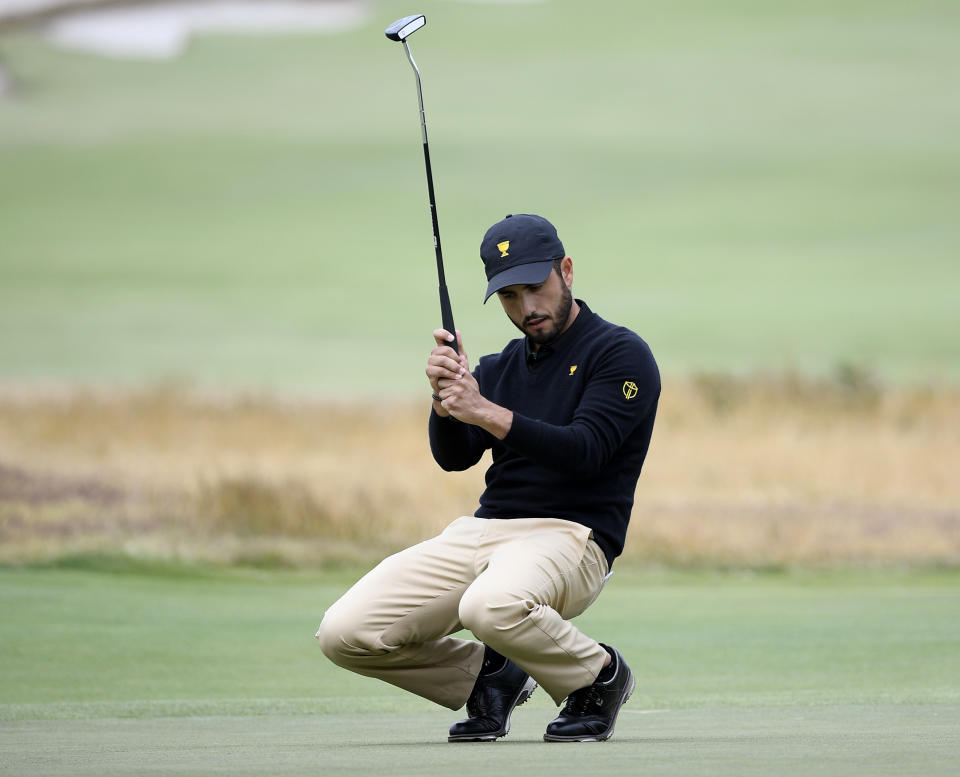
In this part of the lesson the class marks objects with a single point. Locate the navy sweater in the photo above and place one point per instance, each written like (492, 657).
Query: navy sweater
(583, 413)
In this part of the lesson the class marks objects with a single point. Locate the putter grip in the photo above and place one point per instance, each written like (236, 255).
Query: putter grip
(446, 315)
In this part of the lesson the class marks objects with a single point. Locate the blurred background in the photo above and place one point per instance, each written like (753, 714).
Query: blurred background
(217, 281)
(203, 191)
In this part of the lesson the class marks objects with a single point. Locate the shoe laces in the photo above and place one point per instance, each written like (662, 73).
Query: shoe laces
(586, 700)
(473, 706)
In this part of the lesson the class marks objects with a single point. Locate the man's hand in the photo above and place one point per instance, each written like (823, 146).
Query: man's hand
(444, 364)
(460, 397)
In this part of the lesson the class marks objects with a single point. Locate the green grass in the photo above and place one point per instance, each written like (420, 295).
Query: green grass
(200, 671)
(816, 741)
(751, 186)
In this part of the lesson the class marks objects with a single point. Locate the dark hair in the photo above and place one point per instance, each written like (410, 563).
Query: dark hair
(556, 266)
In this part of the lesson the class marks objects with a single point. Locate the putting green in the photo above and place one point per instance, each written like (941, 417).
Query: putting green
(216, 672)
(836, 741)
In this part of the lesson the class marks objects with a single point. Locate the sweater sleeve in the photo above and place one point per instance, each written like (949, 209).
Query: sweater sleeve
(621, 392)
(455, 446)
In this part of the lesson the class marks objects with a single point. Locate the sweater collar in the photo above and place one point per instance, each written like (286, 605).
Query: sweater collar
(571, 334)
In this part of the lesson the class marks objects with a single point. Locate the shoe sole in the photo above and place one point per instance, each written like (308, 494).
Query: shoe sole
(605, 735)
(525, 693)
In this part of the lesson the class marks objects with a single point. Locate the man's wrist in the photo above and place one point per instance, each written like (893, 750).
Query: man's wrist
(497, 420)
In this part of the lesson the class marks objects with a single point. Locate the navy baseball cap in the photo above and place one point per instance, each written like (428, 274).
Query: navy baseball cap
(520, 249)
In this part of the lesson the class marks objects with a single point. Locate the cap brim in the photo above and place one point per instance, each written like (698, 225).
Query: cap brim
(532, 273)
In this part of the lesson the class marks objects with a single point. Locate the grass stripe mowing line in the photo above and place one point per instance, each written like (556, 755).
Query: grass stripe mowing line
(188, 708)
(409, 705)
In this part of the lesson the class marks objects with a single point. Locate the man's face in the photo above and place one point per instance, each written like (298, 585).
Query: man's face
(541, 311)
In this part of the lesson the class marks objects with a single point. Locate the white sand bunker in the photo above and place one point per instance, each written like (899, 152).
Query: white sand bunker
(162, 30)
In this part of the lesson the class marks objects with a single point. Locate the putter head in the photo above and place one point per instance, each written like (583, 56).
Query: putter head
(403, 28)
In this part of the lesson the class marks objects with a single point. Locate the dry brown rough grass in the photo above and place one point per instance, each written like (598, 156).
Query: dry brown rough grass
(765, 471)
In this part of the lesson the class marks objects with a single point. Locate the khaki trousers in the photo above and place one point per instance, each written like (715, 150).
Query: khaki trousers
(513, 583)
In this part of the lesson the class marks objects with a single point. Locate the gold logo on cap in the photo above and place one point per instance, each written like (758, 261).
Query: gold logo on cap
(630, 389)
(573, 368)
(503, 248)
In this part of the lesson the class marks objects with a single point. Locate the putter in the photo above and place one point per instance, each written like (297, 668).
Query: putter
(400, 30)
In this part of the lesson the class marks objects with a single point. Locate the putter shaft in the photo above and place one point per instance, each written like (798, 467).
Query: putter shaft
(400, 30)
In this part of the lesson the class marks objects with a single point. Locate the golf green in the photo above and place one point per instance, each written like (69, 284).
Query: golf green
(206, 671)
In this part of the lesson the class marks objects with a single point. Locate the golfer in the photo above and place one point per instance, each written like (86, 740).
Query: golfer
(567, 412)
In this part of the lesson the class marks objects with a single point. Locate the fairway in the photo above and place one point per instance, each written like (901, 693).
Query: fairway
(748, 186)
(203, 671)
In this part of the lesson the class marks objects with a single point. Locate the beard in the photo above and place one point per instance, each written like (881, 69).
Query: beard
(556, 320)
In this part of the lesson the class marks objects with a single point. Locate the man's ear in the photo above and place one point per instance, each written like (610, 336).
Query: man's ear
(566, 270)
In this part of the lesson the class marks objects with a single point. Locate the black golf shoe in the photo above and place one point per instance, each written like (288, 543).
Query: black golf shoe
(590, 714)
(493, 698)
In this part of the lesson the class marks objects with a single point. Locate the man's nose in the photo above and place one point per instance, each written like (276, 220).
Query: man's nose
(529, 303)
